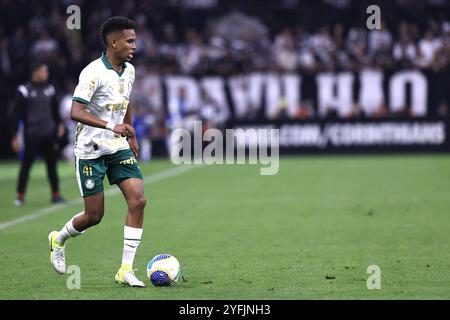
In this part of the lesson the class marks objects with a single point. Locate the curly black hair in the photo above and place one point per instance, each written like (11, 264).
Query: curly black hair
(114, 24)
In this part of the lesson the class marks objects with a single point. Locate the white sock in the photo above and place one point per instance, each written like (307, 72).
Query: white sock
(131, 240)
(68, 231)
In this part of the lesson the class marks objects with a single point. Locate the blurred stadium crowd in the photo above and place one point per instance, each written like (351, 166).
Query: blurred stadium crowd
(225, 38)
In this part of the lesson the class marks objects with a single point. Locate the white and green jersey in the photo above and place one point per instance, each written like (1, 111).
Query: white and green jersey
(106, 94)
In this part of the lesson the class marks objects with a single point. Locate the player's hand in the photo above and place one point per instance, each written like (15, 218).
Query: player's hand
(15, 145)
(134, 146)
(61, 130)
(125, 130)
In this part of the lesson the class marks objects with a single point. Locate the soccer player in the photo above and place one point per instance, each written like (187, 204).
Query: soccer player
(105, 143)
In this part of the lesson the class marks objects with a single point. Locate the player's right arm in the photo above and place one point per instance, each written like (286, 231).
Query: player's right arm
(17, 114)
(78, 113)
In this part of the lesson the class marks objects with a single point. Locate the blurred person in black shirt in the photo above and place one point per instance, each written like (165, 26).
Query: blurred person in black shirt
(36, 105)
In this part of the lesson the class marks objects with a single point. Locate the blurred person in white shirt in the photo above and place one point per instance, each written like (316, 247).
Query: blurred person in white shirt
(286, 57)
(428, 47)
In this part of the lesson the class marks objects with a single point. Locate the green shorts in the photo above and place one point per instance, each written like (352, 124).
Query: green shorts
(117, 166)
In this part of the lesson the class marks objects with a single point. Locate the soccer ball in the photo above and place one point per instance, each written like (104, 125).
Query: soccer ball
(164, 270)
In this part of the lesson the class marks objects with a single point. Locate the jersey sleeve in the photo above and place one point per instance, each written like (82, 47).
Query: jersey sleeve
(86, 87)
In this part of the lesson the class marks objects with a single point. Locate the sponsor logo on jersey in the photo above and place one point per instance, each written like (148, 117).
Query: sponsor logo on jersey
(117, 106)
(130, 160)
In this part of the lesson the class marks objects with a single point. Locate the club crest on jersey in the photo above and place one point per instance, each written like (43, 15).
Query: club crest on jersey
(89, 184)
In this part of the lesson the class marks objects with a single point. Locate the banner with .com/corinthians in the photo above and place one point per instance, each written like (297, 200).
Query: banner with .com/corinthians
(353, 136)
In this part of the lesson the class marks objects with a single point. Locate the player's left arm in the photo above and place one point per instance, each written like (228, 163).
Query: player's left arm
(132, 141)
(56, 116)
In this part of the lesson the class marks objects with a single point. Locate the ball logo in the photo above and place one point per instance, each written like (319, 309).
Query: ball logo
(89, 183)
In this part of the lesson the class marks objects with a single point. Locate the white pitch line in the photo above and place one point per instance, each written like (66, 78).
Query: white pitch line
(110, 192)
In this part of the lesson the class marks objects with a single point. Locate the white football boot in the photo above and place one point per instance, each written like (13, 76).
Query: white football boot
(125, 276)
(57, 257)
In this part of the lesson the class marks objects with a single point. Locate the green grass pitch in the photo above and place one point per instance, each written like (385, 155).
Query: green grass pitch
(309, 232)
